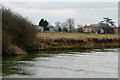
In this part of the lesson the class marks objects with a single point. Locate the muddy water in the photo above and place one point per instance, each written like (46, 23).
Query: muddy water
(96, 63)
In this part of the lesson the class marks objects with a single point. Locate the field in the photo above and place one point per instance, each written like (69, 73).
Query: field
(60, 40)
(75, 36)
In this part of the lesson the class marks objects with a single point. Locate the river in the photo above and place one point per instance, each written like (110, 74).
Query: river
(93, 63)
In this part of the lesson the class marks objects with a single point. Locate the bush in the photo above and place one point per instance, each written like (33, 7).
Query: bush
(21, 31)
(6, 42)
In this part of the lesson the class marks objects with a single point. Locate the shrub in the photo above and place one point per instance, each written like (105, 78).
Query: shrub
(6, 42)
(17, 30)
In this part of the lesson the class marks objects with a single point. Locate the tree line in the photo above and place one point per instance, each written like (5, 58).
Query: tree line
(106, 24)
(69, 24)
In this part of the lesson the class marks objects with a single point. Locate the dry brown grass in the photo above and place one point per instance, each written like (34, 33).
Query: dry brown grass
(75, 36)
(60, 40)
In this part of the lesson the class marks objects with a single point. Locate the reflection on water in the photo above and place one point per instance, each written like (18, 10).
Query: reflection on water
(96, 63)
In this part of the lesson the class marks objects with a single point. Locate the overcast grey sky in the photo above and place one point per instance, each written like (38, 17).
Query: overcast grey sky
(82, 12)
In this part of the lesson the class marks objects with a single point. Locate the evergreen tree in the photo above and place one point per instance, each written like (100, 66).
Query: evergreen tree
(43, 23)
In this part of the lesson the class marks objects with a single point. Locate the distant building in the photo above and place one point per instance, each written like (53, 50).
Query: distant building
(39, 28)
(56, 28)
(89, 29)
(118, 30)
(51, 28)
(101, 31)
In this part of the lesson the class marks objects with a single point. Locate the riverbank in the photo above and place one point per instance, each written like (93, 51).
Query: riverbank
(60, 40)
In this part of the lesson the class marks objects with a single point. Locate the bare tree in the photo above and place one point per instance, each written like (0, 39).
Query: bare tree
(79, 25)
(70, 23)
(64, 26)
(57, 25)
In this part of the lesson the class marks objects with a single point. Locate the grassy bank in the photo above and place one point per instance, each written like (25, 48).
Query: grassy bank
(56, 40)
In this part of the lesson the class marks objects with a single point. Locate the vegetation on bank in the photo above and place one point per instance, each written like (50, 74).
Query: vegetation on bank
(18, 33)
(19, 36)
(60, 40)
(75, 36)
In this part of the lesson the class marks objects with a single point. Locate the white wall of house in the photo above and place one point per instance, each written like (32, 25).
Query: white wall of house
(40, 28)
(87, 30)
(51, 29)
(116, 31)
(101, 31)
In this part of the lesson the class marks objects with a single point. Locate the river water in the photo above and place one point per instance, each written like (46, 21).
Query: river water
(95, 63)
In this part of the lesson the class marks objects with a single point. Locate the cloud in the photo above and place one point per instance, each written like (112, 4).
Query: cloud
(60, 1)
(82, 12)
(53, 12)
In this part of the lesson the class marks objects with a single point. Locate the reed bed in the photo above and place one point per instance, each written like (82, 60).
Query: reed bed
(60, 40)
(76, 36)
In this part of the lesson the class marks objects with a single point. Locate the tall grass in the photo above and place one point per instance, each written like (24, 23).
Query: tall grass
(75, 36)
(58, 40)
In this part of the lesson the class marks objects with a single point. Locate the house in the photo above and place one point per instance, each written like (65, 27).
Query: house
(56, 28)
(89, 29)
(51, 28)
(102, 31)
(39, 28)
(118, 30)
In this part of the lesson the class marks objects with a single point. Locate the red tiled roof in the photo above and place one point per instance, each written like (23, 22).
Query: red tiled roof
(89, 27)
